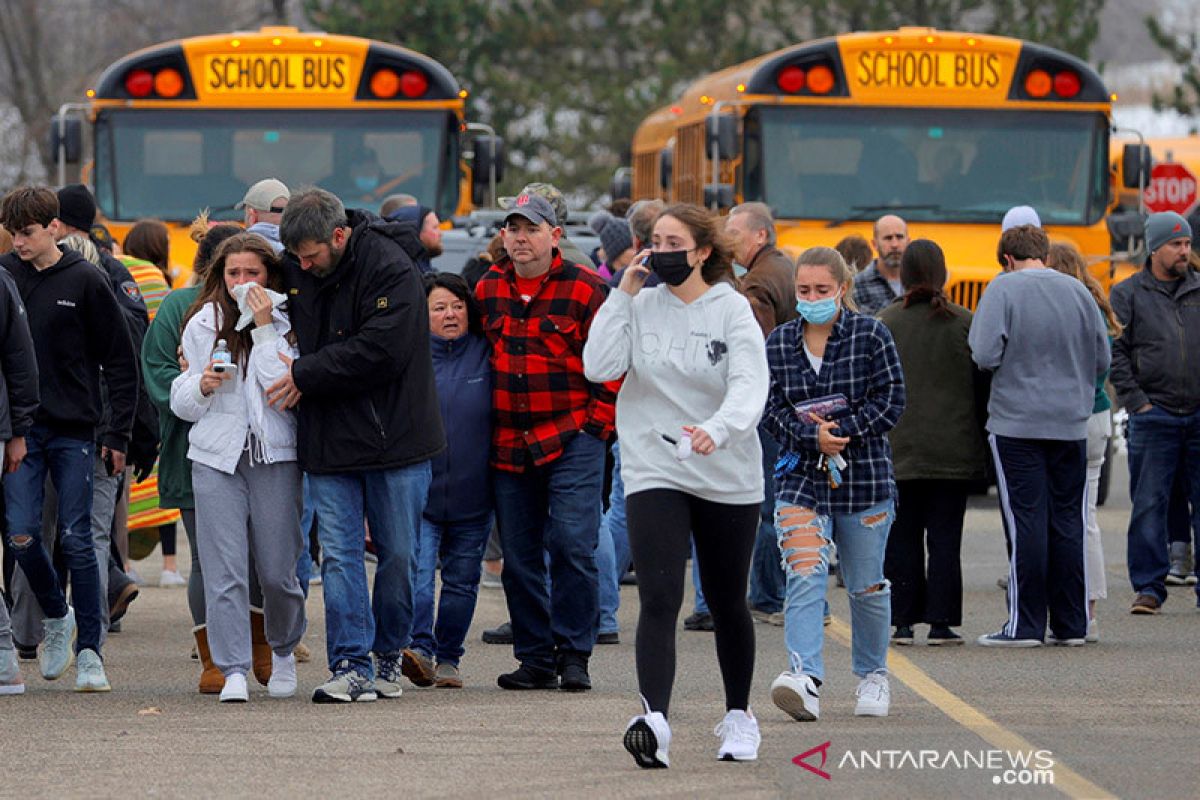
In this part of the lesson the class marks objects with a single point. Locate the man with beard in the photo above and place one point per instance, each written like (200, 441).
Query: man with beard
(1156, 372)
(879, 284)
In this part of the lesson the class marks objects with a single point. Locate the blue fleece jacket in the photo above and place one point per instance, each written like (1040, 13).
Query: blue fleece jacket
(461, 488)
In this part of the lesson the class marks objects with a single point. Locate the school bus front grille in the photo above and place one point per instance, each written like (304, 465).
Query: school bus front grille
(967, 293)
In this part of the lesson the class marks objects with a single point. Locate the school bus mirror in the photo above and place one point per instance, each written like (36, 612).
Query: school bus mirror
(718, 195)
(721, 133)
(67, 135)
(621, 184)
(1136, 163)
(488, 154)
(1125, 228)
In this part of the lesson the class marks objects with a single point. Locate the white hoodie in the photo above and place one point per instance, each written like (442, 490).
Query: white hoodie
(223, 419)
(702, 363)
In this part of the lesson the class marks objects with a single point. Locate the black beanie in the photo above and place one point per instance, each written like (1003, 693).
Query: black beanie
(76, 206)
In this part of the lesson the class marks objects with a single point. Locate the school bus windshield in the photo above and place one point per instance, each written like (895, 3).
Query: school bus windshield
(170, 165)
(930, 165)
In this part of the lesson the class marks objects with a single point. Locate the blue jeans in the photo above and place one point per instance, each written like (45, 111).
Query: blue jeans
(552, 509)
(1160, 444)
(612, 551)
(701, 605)
(861, 539)
(305, 565)
(69, 464)
(766, 570)
(459, 549)
(357, 624)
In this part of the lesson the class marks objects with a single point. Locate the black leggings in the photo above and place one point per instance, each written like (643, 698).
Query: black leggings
(662, 524)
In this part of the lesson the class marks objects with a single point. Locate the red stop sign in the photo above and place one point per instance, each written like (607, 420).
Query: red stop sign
(1172, 187)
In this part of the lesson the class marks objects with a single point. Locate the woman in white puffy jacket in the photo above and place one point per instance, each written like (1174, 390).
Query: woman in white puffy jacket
(244, 472)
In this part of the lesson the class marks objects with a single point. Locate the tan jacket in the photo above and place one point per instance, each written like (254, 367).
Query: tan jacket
(770, 286)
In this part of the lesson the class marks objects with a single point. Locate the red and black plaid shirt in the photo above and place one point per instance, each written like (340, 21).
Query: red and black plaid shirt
(540, 396)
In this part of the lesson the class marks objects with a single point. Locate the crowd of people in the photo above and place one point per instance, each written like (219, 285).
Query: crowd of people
(320, 391)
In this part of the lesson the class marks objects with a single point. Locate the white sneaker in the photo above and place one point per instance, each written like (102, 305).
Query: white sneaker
(170, 577)
(283, 676)
(796, 693)
(874, 696)
(1093, 631)
(11, 681)
(89, 673)
(739, 737)
(648, 738)
(235, 688)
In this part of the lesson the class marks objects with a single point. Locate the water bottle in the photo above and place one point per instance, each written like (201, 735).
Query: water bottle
(223, 364)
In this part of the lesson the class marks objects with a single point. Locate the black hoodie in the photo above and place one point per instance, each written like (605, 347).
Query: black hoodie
(364, 369)
(78, 328)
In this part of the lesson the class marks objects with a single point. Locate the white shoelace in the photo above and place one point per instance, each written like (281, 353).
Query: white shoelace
(740, 730)
(872, 687)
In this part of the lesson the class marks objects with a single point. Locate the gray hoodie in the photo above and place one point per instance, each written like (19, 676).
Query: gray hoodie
(1043, 337)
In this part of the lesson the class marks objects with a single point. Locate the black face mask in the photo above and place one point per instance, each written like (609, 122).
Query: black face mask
(671, 265)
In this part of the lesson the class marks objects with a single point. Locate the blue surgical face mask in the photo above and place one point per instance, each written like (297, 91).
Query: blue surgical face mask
(818, 312)
(366, 183)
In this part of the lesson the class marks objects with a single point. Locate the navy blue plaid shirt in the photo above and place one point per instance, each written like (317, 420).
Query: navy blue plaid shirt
(860, 363)
(872, 292)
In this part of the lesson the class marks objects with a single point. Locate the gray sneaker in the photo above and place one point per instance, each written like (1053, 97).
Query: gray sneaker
(89, 673)
(10, 672)
(58, 646)
(387, 676)
(345, 686)
(1180, 573)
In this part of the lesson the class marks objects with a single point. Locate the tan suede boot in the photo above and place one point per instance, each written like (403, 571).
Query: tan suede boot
(211, 679)
(260, 649)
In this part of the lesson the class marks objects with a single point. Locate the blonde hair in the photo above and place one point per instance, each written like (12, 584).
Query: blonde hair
(832, 260)
(1066, 258)
(84, 246)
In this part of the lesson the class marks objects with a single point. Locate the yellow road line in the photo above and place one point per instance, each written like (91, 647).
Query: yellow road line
(1066, 780)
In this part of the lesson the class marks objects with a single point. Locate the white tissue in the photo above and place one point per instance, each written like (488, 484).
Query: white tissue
(247, 316)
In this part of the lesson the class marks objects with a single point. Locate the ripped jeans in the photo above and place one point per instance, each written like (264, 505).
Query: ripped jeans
(861, 539)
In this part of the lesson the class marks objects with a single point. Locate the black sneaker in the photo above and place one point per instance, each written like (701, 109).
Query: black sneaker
(573, 674)
(25, 652)
(501, 634)
(698, 622)
(903, 635)
(611, 637)
(942, 635)
(121, 592)
(524, 678)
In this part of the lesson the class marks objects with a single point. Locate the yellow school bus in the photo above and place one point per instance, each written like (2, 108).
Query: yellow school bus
(192, 123)
(947, 130)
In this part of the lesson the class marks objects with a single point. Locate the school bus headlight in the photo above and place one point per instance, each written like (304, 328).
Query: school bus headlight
(790, 79)
(413, 84)
(1067, 84)
(1038, 83)
(139, 83)
(385, 83)
(168, 83)
(820, 79)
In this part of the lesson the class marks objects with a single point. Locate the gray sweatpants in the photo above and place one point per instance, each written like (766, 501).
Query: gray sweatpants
(27, 613)
(257, 508)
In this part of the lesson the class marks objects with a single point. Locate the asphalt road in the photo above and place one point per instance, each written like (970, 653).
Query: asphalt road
(1115, 719)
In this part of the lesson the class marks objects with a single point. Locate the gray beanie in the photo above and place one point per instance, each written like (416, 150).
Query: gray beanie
(1163, 227)
(615, 237)
(1020, 215)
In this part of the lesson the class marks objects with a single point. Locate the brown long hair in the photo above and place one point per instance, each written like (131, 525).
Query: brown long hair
(149, 240)
(707, 231)
(1065, 258)
(923, 276)
(214, 291)
(832, 260)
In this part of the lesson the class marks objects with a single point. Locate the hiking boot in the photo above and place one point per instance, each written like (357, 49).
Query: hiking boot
(346, 685)
(417, 667)
(874, 696)
(501, 634)
(388, 671)
(121, 592)
(739, 737)
(1145, 604)
(698, 622)
(58, 645)
(11, 681)
(447, 676)
(903, 635)
(647, 738)
(942, 635)
(525, 678)
(89, 673)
